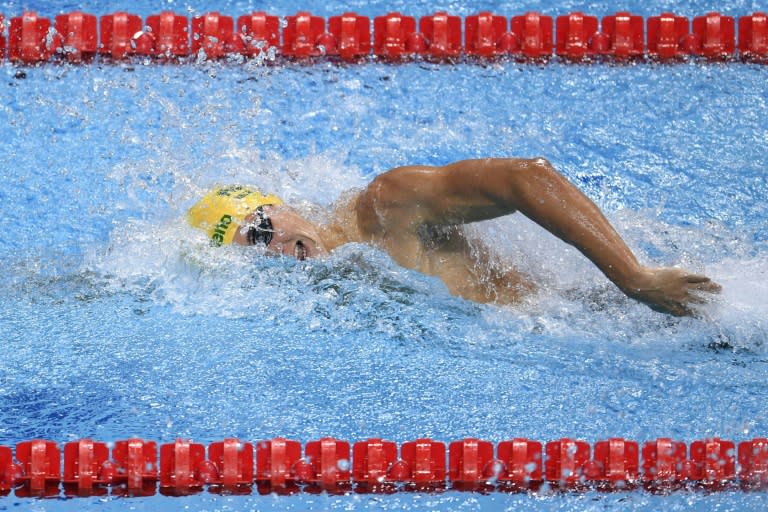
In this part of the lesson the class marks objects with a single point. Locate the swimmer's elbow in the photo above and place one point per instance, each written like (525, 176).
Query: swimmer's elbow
(520, 167)
(516, 182)
(535, 166)
(542, 163)
(522, 173)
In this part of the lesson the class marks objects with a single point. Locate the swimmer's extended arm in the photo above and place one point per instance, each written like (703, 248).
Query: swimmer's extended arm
(474, 190)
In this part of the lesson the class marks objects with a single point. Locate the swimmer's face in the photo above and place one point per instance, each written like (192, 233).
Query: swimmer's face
(292, 235)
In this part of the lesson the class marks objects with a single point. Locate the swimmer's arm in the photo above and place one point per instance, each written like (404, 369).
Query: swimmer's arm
(474, 190)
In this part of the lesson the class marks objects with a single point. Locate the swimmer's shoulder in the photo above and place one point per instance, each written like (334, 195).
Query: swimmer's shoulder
(357, 208)
(342, 224)
(391, 203)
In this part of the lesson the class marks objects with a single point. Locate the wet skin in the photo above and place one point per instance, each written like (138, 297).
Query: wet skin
(415, 213)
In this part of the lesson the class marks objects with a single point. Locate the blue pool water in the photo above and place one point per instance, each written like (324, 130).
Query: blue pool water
(118, 320)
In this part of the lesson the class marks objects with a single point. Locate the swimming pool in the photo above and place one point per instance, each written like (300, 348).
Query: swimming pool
(119, 321)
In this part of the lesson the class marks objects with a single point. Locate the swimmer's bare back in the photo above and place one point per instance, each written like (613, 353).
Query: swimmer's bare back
(415, 214)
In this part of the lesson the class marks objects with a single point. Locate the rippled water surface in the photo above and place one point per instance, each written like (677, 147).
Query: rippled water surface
(119, 320)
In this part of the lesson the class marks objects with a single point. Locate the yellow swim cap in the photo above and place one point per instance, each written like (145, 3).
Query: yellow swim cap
(221, 211)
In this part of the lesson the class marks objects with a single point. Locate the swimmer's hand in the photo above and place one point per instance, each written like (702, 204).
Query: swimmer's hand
(670, 290)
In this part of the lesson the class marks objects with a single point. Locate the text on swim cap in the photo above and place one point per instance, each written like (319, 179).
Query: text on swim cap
(218, 233)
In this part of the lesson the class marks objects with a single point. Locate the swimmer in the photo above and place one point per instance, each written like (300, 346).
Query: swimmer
(416, 214)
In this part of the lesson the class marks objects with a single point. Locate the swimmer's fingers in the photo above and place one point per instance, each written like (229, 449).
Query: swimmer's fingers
(703, 283)
(672, 290)
(698, 298)
(708, 287)
(701, 291)
(695, 278)
(672, 307)
(701, 288)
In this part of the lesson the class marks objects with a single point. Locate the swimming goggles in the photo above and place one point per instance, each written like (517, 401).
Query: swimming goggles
(260, 233)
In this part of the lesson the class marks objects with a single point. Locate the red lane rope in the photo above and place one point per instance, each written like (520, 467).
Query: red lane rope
(131, 468)
(80, 37)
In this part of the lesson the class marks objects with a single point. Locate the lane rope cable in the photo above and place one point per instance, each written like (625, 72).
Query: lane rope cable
(79, 37)
(138, 467)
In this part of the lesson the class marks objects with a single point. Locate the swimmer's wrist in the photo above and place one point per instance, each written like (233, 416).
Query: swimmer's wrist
(634, 279)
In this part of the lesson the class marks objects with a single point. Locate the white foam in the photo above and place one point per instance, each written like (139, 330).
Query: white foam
(163, 256)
